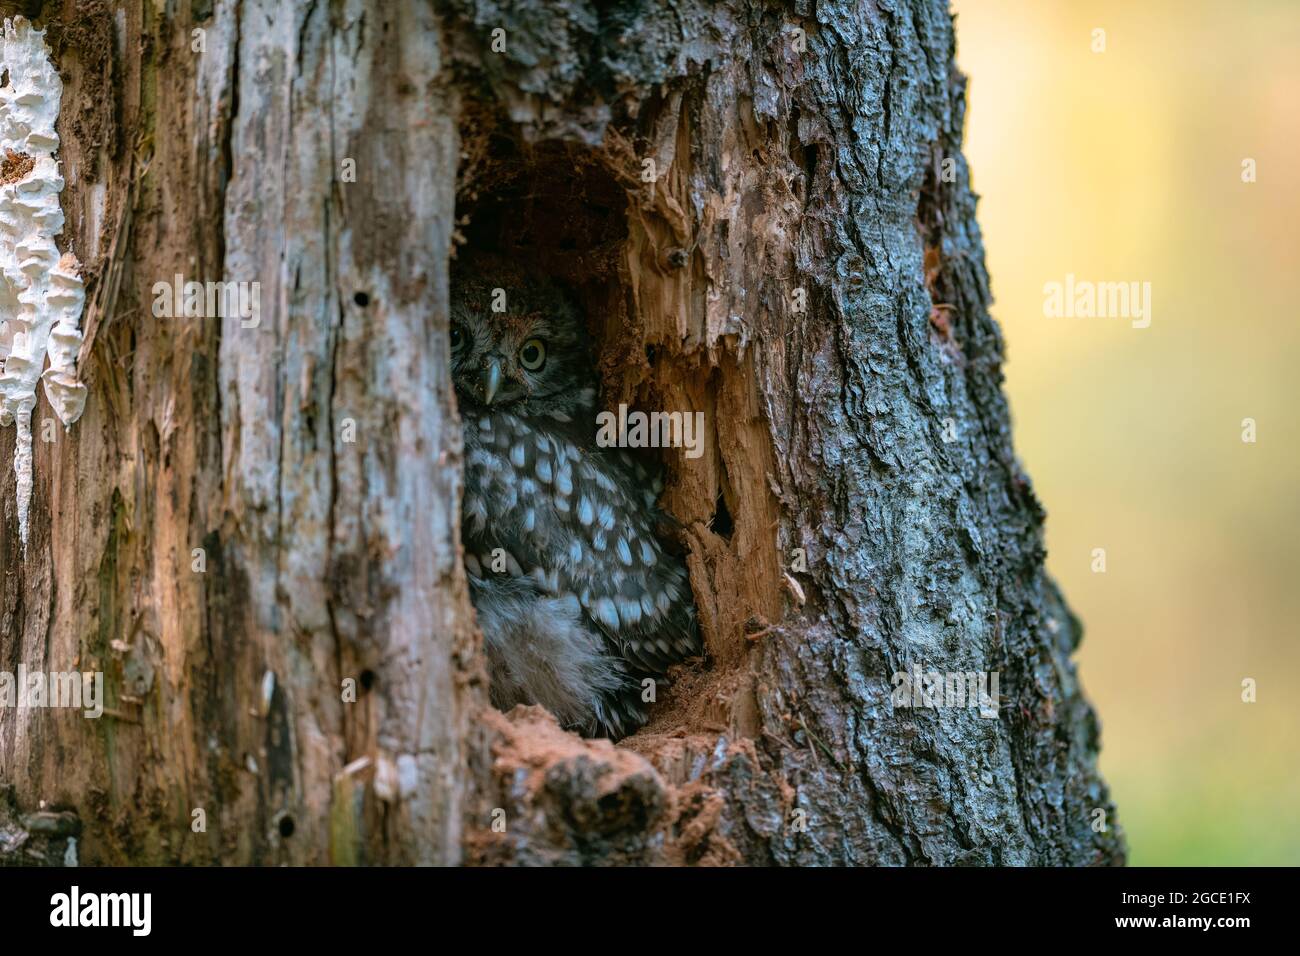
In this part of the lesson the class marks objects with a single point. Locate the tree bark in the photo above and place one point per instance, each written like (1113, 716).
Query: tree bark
(765, 211)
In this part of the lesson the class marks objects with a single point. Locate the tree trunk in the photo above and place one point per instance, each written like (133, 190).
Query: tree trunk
(253, 529)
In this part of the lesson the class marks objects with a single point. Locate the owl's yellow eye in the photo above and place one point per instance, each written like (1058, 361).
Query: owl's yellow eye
(533, 355)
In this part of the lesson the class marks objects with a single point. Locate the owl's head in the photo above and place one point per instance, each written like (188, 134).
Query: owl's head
(517, 341)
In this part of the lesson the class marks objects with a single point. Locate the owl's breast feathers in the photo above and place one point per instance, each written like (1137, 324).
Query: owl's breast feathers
(577, 520)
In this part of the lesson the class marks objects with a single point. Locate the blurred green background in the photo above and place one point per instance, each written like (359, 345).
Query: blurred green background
(1127, 165)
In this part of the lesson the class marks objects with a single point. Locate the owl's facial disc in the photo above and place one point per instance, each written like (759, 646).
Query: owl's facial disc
(497, 369)
(517, 344)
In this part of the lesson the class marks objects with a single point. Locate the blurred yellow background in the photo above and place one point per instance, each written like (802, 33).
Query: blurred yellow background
(1126, 165)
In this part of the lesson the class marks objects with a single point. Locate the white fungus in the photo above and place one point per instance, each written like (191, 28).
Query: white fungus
(41, 292)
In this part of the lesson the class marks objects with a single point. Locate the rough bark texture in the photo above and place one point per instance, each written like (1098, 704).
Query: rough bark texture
(795, 146)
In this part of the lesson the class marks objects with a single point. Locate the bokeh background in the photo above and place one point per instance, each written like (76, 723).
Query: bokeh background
(1127, 165)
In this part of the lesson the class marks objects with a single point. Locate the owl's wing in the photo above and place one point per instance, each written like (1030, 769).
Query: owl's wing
(639, 595)
(581, 521)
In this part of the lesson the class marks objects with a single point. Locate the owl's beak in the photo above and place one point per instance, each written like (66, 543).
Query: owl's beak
(491, 380)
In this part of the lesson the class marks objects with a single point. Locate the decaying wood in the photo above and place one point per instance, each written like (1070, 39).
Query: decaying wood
(800, 269)
(327, 560)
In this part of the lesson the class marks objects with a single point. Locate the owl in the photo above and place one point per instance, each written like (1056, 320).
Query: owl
(578, 599)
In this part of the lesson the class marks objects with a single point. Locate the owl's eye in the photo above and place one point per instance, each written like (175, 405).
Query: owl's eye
(457, 338)
(533, 355)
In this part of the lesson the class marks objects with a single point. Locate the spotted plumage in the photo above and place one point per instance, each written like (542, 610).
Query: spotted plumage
(578, 598)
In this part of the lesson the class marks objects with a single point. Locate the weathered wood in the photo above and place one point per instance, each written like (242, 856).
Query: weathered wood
(794, 147)
(802, 147)
(312, 457)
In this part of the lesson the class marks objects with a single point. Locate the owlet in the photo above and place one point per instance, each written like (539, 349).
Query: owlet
(578, 601)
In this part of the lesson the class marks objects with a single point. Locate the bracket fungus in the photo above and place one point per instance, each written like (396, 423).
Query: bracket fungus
(41, 292)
